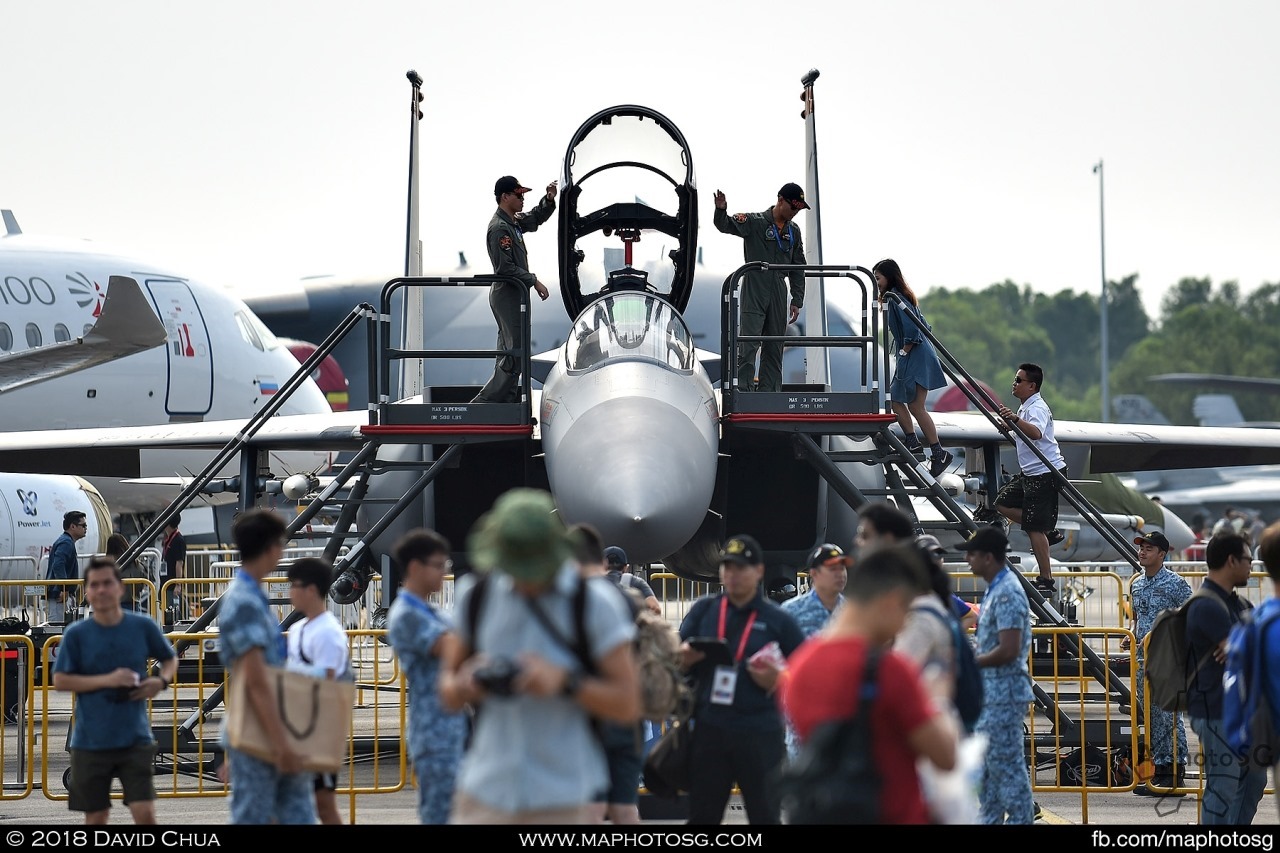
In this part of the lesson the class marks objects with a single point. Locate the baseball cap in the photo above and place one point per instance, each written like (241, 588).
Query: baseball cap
(826, 554)
(1156, 538)
(989, 540)
(795, 195)
(615, 556)
(743, 550)
(508, 184)
(929, 544)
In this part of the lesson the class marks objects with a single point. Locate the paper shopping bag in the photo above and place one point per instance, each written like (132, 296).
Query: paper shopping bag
(315, 713)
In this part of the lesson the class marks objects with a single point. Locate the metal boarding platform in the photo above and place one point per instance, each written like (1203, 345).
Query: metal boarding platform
(809, 421)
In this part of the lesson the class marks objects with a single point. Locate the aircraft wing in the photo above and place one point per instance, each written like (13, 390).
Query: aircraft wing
(1119, 448)
(115, 451)
(126, 325)
(1113, 448)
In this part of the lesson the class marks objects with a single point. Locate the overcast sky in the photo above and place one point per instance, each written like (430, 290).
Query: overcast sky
(253, 143)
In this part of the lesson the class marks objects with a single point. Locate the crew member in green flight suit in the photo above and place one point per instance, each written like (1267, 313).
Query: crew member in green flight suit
(773, 237)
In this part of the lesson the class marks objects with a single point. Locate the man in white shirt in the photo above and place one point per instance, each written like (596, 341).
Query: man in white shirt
(1031, 497)
(318, 647)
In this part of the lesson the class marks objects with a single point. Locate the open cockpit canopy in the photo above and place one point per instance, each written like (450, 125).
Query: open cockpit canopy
(627, 174)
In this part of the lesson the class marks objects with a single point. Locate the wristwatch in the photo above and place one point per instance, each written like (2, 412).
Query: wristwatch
(902, 351)
(572, 684)
(164, 682)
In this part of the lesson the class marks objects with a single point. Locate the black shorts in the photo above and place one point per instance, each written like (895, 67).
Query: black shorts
(92, 771)
(1037, 496)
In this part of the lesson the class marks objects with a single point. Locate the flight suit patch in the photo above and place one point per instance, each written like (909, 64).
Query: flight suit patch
(739, 217)
(505, 242)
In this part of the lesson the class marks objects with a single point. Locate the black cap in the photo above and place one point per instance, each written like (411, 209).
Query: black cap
(795, 195)
(929, 544)
(743, 550)
(826, 554)
(989, 540)
(1156, 538)
(508, 184)
(615, 556)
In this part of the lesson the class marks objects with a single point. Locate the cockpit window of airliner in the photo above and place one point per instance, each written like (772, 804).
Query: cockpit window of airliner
(629, 326)
(247, 330)
(265, 335)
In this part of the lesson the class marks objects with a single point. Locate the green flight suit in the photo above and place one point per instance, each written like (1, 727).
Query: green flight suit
(505, 241)
(763, 299)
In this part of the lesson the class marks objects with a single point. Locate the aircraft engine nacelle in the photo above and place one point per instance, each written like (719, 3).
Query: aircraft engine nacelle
(31, 510)
(629, 427)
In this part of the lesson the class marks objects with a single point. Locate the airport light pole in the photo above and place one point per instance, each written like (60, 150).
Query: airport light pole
(1102, 250)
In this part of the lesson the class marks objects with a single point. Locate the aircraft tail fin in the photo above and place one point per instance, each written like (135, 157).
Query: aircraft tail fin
(1217, 410)
(1136, 409)
(10, 223)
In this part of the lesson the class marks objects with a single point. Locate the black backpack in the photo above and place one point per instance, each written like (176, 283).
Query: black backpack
(968, 677)
(834, 778)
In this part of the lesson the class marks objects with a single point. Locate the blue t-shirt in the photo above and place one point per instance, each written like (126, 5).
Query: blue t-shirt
(105, 719)
(413, 628)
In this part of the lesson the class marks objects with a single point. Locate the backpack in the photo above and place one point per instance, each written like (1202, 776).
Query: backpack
(834, 778)
(968, 677)
(1170, 674)
(657, 650)
(1247, 716)
(662, 685)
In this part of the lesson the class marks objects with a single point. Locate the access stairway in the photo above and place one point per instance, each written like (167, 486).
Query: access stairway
(840, 433)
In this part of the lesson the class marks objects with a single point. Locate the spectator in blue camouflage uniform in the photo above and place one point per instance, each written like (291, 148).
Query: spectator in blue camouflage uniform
(828, 573)
(278, 791)
(1003, 644)
(1157, 589)
(420, 633)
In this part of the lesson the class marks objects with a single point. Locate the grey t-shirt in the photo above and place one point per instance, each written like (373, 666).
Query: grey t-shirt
(532, 753)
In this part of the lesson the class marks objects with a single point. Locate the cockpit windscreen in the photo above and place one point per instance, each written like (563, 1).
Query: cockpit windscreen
(629, 326)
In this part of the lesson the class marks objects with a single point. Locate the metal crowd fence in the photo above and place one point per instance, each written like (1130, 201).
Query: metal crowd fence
(187, 721)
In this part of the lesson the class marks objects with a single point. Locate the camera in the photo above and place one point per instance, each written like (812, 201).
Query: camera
(497, 676)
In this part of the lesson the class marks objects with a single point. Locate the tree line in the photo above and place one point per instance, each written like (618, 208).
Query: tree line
(1202, 328)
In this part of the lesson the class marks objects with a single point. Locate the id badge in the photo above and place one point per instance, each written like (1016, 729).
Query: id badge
(723, 685)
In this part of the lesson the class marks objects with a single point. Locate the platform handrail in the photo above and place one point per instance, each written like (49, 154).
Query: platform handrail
(871, 377)
(380, 362)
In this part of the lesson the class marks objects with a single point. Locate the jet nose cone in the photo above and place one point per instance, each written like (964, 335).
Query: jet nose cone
(639, 471)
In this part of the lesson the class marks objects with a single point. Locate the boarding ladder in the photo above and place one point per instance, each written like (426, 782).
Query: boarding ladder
(440, 423)
(827, 427)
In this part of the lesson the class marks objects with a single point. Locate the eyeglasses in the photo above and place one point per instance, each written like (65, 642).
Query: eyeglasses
(1018, 380)
(80, 524)
(795, 205)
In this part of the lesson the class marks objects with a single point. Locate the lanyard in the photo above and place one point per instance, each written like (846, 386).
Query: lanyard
(995, 581)
(746, 631)
(777, 237)
(281, 646)
(420, 604)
